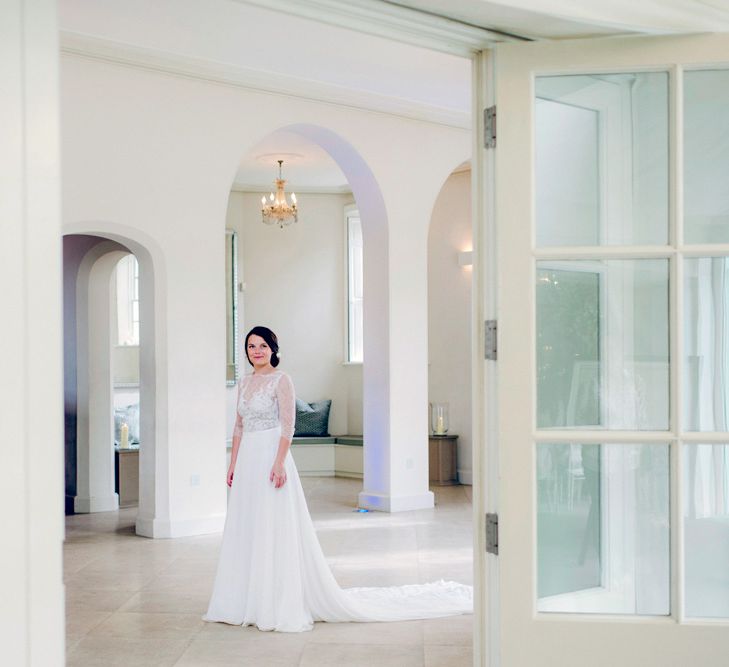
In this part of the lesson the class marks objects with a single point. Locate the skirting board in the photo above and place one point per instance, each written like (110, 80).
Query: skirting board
(331, 473)
(164, 528)
(465, 477)
(86, 505)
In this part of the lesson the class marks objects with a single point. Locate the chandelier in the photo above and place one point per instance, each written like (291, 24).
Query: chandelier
(276, 208)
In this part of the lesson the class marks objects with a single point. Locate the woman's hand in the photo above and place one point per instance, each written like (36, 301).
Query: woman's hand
(229, 476)
(278, 475)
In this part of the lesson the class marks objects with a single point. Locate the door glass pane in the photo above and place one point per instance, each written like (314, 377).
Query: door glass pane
(602, 344)
(706, 529)
(603, 528)
(602, 159)
(706, 344)
(706, 156)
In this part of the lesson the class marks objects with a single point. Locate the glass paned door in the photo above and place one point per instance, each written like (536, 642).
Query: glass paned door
(612, 220)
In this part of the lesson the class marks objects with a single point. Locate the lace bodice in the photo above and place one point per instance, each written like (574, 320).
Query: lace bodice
(264, 401)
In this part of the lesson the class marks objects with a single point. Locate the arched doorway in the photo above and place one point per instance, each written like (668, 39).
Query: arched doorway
(89, 261)
(378, 492)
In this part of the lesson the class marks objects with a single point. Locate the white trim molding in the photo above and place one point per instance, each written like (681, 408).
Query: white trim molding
(393, 21)
(168, 528)
(154, 60)
(89, 504)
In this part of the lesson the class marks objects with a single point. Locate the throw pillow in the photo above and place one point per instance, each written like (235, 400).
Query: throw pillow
(312, 419)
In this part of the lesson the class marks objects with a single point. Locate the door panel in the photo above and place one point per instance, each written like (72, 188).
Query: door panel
(612, 228)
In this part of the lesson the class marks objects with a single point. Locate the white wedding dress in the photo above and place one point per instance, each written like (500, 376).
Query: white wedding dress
(272, 572)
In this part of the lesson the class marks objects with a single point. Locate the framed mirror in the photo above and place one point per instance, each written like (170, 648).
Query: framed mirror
(232, 369)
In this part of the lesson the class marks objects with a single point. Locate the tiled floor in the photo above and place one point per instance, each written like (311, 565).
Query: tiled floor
(135, 601)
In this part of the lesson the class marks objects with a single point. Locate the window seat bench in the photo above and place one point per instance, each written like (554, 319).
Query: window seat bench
(332, 456)
(327, 456)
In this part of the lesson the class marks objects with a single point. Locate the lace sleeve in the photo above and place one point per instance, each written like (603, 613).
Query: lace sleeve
(286, 406)
(238, 428)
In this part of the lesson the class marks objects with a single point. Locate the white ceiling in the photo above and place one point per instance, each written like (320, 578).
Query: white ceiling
(306, 167)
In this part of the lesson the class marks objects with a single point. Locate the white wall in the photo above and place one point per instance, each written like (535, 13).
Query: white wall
(295, 283)
(449, 311)
(150, 157)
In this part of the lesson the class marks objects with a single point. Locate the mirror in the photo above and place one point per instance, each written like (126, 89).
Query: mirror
(231, 307)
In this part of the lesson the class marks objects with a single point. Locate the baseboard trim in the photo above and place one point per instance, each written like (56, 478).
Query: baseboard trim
(349, 475)
(330, 473)
(166, 528)
(91, 504)
(465, 477)
(386, 503)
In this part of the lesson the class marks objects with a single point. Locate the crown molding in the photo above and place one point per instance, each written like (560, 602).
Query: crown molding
(154, 60)
(393, 21)
(250, 188)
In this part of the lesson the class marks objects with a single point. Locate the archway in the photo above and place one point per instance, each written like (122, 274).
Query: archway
(91, 252)
(377, 492)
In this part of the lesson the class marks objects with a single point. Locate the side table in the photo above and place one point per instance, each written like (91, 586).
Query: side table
(126, 469)
(442, 459)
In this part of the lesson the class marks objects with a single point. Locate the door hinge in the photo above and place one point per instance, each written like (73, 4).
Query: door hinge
(489, 127)
(490, 340)
(492, 534)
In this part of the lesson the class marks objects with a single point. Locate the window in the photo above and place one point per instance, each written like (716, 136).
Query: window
(127, 301)
(354, 286)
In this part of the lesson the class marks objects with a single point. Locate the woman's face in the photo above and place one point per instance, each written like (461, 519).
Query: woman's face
(258, 352)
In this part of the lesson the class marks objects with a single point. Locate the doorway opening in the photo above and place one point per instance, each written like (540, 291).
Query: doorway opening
(110, 376)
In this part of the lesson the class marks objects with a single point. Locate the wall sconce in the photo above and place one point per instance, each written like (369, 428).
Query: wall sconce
(465, 258)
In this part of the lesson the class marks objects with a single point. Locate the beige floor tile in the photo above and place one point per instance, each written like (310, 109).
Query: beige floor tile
(250, 634)
(95, 600)
(200, 583)
(450, 630)
(72, 563)
(105, 652)
(81, 622)
(71, 644)
(191, 567)
(361, 655)
(159, 589)
(181, 602)
(244, 654)
(402, 632)
(448, 656)
(137, 625)
(120, 580)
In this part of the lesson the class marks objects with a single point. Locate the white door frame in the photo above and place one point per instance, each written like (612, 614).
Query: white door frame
(484, 373)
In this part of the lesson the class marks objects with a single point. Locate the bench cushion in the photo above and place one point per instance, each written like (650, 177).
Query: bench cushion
(313, 440)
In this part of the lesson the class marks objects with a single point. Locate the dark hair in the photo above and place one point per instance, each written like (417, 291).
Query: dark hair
(271, 341)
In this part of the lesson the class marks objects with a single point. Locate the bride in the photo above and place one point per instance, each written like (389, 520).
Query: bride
(272, 572)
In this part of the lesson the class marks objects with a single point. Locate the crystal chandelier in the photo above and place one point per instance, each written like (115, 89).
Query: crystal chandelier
(276, 208)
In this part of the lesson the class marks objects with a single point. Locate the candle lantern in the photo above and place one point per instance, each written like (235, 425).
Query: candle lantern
(439, 418)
